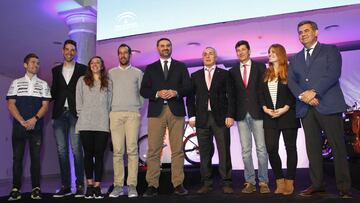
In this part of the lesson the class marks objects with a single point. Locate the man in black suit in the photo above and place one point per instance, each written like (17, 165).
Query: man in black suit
(165, 83)
(247, 76)
(63, 88)
(211, 110)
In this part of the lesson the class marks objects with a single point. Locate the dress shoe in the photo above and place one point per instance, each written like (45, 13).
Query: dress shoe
(150, 192)
(228, 189)
(345, 195)
(310, 191)
(180, 190)
(204, 189)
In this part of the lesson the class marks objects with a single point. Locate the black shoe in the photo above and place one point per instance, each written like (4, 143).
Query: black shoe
(64, 191)
(180, 190)
(14, 194)
(36, 193)
(345, 195)
(89, 192)
(79, 191)
(151, 191)
(97, 193)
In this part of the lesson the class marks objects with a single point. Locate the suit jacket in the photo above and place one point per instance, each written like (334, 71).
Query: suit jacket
(322, 75)
(284, 97)
(220, 94)
(247, 100)
(178, 79)
(60, 91)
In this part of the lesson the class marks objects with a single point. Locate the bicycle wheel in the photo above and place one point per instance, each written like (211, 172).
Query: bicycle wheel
(191, 150)
(143, 148)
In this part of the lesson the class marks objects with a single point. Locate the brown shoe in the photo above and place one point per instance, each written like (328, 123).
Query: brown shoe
(248, 188)
(264, 188)
(228, 189)
(280, 186)
(204, 189)
(289, 187)
(310, 191)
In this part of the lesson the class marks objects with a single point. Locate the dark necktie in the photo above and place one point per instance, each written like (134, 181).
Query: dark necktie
(245, 76)
(307, 60)
(166, 69)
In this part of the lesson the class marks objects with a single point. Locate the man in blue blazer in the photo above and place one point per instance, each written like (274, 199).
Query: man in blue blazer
(165, 83)
(314, 75)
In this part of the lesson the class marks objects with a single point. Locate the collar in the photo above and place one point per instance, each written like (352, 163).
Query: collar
(126, 68)
(210, 69)
(34, 77)
(248, 64)
(312, 47)
(168, 60)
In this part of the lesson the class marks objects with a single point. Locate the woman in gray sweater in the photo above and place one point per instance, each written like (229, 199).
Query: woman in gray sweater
(93, 101)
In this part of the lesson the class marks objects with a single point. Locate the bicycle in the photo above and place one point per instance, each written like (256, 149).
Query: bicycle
(190, 147)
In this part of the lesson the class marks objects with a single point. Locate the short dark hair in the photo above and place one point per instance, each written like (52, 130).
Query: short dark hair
(242, 42)
(161, 39)
(124, 45)
(69, 41)
(313, 25)
(29, 56)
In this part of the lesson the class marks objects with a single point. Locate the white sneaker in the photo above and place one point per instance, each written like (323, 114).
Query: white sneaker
(132, 191)
(117, 191)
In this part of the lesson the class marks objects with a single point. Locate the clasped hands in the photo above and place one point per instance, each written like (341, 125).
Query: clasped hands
(29, 124)
(275, 113)
(308, 97)
(166, 94)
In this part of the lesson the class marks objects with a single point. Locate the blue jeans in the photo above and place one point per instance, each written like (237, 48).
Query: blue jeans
(247, 127)
(64, 126)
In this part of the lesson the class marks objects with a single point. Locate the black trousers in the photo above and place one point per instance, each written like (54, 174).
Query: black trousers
(272, 136)
(333, 127)
(19, 137)
(206, 145)
(94, 145)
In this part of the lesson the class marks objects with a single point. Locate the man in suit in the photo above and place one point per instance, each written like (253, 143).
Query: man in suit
(314, 75)
(165, 83)
(63, 88)
(211, 110)
(247, 76)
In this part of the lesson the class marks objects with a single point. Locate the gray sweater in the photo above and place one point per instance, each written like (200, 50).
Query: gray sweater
(93, 106)
(126, 89)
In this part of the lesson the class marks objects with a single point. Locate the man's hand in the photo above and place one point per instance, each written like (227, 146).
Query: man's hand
(30, 123)
(192, 124)
(314, 102)
(229, 122)
(171, 94)
(307, 96)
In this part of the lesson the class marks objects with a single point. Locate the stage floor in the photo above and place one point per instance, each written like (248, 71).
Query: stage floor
(192, 182)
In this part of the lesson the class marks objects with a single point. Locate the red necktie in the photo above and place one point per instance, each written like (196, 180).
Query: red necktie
(245, 76)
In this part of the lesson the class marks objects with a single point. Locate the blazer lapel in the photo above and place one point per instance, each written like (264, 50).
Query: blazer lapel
(160, 70)
(239, 76)
(215, 77)
(74, 75)
(315, 53)
(253, 73)
(171, 68)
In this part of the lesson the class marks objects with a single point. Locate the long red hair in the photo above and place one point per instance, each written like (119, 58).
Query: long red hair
(282, 74)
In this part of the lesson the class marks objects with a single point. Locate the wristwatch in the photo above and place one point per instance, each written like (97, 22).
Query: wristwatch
(37, 117)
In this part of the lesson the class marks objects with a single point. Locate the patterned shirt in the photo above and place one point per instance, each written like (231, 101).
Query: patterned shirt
(29, 95)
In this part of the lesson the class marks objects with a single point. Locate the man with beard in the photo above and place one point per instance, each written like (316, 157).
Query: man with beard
(125, 121)
(63, 88)
(165, 83)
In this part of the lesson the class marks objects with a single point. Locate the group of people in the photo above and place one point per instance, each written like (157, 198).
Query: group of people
(91, 105)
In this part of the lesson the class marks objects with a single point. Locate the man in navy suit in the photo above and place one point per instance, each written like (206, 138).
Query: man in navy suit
(165, 83)
(314, 75)
(211, 109)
